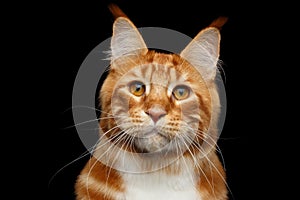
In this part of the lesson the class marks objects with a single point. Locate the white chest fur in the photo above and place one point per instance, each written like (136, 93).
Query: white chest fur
(161, 186)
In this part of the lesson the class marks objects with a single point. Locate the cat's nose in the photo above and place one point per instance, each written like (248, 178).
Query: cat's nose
(156, 112)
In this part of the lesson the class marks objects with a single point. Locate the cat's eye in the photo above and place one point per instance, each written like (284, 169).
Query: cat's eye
(137, 88)
(181, 92)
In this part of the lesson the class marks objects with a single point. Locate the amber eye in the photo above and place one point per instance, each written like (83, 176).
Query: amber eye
(137, 88)
(181, 92)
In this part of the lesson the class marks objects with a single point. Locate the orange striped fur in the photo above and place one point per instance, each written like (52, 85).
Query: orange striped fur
(151, 119)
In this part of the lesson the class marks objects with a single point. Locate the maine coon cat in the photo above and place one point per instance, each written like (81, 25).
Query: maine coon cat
(158, 123)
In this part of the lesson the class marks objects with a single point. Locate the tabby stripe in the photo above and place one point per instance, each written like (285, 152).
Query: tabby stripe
(98, 187)
(144, 71)
(151, 73)
(173, 75)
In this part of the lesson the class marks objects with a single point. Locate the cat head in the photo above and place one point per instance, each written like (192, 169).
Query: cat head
(158, 102)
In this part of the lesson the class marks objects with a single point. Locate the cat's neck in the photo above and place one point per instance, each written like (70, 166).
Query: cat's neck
(137, 163)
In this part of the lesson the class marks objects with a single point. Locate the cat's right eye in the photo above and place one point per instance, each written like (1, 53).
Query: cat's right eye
(137, 88)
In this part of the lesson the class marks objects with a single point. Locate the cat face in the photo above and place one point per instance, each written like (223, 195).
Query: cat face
(155, 102)
(159, 100)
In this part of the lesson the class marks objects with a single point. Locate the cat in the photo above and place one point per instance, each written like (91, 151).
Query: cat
(158, 125)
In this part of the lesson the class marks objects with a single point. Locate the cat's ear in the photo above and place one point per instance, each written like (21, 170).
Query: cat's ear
(203, 52)
(126, 39)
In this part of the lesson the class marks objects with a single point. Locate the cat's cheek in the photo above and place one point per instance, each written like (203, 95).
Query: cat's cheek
(134, 101)
(119, 100)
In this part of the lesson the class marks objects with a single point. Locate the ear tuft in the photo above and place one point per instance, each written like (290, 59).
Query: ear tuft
(116, 11)
(219, 22)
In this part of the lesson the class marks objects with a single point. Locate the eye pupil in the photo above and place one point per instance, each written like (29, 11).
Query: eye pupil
(181, 92)
(138, 87)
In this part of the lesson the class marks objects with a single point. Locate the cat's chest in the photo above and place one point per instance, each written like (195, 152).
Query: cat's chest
(155, 186)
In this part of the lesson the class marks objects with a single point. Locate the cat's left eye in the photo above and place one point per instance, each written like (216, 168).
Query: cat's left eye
(137, 88)
(181, 92)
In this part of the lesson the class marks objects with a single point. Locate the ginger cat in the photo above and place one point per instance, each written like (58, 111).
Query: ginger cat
(158, 125)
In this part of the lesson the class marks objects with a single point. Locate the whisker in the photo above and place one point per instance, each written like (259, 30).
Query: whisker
(88, 175)
(177, 148)
(97, 159)
(213, 144)
(219, 173)
(119, 140)
(131, 144)
(218, 149)
(82, 106)
(109, 139)
(85, 153)
(185, 163)
(96, 119)
(87, 107)
(196, 162)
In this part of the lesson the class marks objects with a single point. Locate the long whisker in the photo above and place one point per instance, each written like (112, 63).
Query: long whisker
(213, 144)
(88, 107)
(205, 154)
(196, 162)
(96, 119)
(85, 153)
(82, 106)
(212, 164)
(116, 143)
(131, 145)
(177, 147)
(91, 167)
(109, 139)
(222, 177)
(218, 149)
(185, 163)
(88, 175)
(122, 137)
(68, 164)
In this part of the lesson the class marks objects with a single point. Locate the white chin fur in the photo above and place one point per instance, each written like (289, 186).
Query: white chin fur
(152, 143)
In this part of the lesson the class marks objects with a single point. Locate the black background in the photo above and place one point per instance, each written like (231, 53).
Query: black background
(71, 30)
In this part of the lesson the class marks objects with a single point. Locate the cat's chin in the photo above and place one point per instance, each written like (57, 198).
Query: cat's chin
(151, 142)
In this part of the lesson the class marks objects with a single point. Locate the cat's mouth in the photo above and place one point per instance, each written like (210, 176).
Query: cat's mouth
(150, 133)
(151, 141)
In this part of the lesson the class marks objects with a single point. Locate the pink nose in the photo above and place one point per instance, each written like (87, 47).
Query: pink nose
(156, 112)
